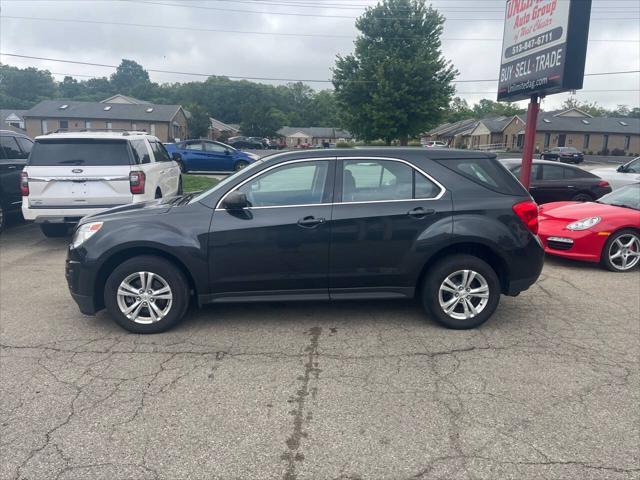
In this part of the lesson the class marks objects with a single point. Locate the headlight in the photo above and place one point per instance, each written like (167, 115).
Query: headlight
(84, 233)
(584, 223)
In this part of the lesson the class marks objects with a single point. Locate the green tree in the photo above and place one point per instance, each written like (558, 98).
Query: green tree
(592, 108)
(489, 108)
(198, 122)
(23, 88)
(397, 83)
(459, 110)
(70, 88)
(130, 76)
(262, 121)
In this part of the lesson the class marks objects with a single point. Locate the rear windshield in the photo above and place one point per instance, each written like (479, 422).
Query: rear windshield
(86, 152)
(486, 172)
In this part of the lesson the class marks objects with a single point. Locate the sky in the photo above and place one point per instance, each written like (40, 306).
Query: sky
(181, 36)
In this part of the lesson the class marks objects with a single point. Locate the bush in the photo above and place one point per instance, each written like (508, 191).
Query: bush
(344, 145)
(414, 143)
(617, 152)
(604, 152)
(462, 146)
(378, 143)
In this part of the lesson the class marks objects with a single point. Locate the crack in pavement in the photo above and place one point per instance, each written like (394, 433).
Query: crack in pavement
(293, 453)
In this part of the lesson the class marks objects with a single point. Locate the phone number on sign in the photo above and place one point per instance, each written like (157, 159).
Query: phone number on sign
(534, 42)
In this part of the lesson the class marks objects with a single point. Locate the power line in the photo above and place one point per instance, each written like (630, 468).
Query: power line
(76, 62)
(315, 15)
(255, 32)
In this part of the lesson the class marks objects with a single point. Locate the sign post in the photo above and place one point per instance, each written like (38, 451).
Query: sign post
(544, 48)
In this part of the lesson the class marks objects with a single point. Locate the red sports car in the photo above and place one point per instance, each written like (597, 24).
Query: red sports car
(605, 231)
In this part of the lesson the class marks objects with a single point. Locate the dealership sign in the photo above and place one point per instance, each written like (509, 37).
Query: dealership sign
(543, 48)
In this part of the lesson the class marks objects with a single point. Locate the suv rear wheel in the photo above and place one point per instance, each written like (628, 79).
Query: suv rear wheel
(146, 294)
(55, 230)
(461, 292)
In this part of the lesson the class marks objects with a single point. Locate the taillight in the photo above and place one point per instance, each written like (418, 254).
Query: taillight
(528, 213)
(604, 184)
(24, 184)
(136, 182)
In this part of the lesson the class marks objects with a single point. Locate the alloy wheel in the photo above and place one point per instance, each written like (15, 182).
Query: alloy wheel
(463, 294)
(144, 297)
(624, 252)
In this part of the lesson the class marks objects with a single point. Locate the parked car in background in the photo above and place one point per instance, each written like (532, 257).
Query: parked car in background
(605, 231)
(208, 156)
(436, 144)
(623, 175)
(563, 154)
(71, 175)
(246, 143)
(551, 182)
(14, 150)
(365, 224)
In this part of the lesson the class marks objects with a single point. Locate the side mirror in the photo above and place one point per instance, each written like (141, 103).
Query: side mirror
(236, 200)
(620, 169)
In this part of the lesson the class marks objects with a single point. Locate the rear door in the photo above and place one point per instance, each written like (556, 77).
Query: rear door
(382, 208)
(166, 173)
(551, 186)
(79, 173)
(12, 161)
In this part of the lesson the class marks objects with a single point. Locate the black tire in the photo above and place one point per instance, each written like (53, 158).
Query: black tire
(448, 266)
(240, 165)
(55, 230)
(160, 267)
(582, 197)
(604, 256)
(180, 190)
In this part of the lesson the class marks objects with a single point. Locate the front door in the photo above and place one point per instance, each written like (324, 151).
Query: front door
(562, 139)
(279, 245)
(383, 208)
(550, 184)
(217, 158)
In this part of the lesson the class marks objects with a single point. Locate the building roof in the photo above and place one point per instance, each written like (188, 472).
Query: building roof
(222, 127)
(547, 122)
(5, 113)
(496, 124)
(119, 98)
(97, 110)
(315, 132)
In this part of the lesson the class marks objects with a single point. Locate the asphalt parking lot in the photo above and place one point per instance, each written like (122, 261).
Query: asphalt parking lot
(547, 389)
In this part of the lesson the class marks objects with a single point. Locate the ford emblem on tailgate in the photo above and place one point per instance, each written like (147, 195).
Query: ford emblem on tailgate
(77, 170)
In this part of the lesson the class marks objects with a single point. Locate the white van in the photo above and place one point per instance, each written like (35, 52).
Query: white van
(74, 174)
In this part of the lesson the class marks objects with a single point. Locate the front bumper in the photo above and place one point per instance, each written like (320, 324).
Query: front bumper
(80, 286)
(584, 245)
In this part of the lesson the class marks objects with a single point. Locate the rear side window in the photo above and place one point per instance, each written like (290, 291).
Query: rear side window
(87, 152)
(576, 173)
(486, 172)
(25, 144)
(140, 151)
(10, 147)
(159, 152)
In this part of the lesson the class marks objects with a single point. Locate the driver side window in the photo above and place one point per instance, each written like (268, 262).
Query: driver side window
(293, 184)
(214, 147)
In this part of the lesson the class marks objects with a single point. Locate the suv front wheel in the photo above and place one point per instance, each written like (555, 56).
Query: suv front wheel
(461, 292)
(146, 294)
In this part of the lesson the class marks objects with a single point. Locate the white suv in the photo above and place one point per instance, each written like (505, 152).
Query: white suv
(71, 175)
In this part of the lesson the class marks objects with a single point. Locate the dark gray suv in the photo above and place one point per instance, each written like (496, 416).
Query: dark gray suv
(14, 151)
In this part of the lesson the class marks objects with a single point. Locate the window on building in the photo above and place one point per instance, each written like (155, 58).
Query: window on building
(45, 126)
(64, 124)
(152, 129)
(605, 142)
(109, 125)
(134, 126)
(627, 142)
(585, 143)
(547, 140)
(87, 125)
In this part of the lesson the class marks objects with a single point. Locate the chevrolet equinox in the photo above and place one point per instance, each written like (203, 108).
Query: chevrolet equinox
(453, 228)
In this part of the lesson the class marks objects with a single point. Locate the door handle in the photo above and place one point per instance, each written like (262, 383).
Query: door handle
(420, 212)
(310, 222)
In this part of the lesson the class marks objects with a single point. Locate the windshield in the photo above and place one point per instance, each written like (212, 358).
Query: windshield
(225, 182)
(628, 196)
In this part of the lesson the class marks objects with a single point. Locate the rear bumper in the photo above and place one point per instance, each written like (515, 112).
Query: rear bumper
(61, 215)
